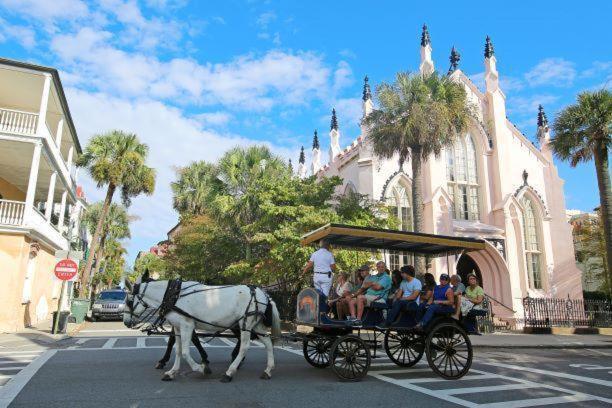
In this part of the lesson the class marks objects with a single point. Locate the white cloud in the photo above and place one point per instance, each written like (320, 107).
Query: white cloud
(349, 111)
(478, 80)
(264, 19)
(214, 118)
(248, 82)
(25, 36)
(343, 76)
(552, 71)
(522, 105)
(173, 139)
(47, 11)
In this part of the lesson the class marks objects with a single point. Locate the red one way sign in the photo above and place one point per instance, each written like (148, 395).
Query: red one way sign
(66, 269)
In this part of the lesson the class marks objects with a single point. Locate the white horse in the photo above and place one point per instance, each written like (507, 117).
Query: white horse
(211, 309)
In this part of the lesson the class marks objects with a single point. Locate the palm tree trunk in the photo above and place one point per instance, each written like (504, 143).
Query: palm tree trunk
(95, 239)
(417, 201)
(605, 199)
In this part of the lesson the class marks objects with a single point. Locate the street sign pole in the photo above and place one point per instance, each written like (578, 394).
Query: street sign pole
(61, 296)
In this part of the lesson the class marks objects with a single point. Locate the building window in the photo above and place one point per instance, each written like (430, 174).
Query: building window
(533, 253)
(399, 205)
(461, 173)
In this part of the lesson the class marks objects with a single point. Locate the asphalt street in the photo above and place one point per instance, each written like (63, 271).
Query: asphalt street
(108, 366)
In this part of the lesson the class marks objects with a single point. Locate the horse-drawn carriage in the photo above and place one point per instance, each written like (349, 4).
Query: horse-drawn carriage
(347, 349)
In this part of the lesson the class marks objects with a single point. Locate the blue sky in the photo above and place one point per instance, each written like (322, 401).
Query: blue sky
(193, 79)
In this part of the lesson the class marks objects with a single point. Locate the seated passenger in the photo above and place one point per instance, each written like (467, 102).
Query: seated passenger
(342, 296)
(458, 289)
(428, 285)
(474, 296)
(442, 301)
(408, 299)
(374, 288)
(394, 292)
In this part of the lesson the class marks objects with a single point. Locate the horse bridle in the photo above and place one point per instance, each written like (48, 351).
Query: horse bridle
(140, 297)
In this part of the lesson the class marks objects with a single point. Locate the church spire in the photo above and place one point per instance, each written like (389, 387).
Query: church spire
(454, 58)
(290, 166)
(302, 159)
(367, 94)
(489, 51)
(302, 164)
(315, 140)
(425, 39)
(334, 120)
(542, 119)
(427, 66)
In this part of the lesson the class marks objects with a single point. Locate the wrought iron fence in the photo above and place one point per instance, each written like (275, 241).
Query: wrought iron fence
(549, 312)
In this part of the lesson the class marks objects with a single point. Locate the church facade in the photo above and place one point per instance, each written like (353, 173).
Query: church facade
(493, 184)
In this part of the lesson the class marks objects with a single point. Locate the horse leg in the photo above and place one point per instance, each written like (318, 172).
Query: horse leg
(236, 349)
(245, 342)
(188, 327)
(170, 374)
(161, 363)
(196, 342)
(267, 342)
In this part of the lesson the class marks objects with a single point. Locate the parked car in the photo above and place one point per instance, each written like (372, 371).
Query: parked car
(109, 305)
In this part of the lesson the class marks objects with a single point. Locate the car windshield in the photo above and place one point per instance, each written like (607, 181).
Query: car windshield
(112, 296)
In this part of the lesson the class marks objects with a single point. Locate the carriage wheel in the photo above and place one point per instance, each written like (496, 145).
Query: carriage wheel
(449, 351)
(404, 348)
(350, 358)
(316, 351)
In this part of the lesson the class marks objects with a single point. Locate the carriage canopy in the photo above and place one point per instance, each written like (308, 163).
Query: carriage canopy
(349, 236)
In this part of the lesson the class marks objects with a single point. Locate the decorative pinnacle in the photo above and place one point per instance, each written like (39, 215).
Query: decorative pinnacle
(542, 119)
(455, 57)
(290, 166)
(489, 51)
(525, 176)
(302, 159)
(367, 94)
(334, 120)
(315, 140)
(425, 36)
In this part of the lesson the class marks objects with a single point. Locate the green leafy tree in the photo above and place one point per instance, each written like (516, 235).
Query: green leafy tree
(590, 248)
(582, 133)
(417, 117)
(116, 160)
(195, 188)
(151, 262)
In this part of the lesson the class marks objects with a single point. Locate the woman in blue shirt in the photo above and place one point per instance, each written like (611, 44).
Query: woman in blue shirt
(442, 301)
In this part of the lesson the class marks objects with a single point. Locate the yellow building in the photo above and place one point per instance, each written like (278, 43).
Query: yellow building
(39, 204)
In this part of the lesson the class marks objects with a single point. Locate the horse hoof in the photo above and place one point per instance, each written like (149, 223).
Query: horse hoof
(226, 378)
(160, 365)
(265, 376)
(207, 370)
(167, 377)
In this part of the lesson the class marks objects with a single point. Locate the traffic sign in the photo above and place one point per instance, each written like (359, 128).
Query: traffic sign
(66, 269)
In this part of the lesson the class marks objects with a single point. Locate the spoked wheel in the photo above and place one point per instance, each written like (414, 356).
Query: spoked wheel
(404, 348)
(316, 351)
(449, 351)
(350, 358)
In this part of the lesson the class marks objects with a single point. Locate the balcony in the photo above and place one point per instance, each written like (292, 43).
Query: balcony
(18, 122)
(13, 216)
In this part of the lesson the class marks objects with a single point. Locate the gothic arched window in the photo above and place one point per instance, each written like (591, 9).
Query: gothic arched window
(399, 205)
(533, 251)
(461, 173)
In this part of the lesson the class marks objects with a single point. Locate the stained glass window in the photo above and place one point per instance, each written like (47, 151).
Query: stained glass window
(462, 179)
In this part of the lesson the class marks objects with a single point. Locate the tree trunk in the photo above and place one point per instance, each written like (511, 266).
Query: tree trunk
(95, 239)
(605, 200)
(417, 201)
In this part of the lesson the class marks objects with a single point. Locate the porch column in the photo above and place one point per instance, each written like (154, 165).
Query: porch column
(60, 223)
(29, 201)
(69, 160)
(58, 134)
(44, 100)
(50, 194)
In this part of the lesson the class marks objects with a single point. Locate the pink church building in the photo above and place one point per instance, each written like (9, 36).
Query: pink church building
(493, 184)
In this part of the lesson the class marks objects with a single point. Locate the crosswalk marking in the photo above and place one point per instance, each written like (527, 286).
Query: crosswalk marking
(110, 343)
(140, 342)
(490, 388)
(531, 402)
(227, 341)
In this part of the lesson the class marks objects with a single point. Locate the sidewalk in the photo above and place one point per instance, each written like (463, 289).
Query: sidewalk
(549, 341)
(39, 336)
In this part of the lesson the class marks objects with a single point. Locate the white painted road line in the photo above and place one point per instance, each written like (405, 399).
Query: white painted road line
(10, 390)
(532, 402)
(140, 342)
(21, 353)
(18, 360)
(227, 341)
(552, 373)
(110, 343)
(491, 388)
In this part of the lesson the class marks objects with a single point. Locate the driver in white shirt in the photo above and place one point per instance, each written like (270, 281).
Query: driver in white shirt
(323, 265)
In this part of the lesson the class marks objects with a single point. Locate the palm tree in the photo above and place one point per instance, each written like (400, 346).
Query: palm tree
(417, 117)
(116, 226)
(117, 160)
(194, 188)
(582, 133)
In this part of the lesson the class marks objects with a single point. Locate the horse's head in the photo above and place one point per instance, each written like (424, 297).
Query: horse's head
(135, 305)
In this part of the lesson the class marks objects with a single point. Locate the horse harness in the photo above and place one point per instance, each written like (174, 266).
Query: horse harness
(174, 292)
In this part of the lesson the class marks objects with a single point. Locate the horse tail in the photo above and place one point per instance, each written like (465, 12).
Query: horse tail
(276, 322)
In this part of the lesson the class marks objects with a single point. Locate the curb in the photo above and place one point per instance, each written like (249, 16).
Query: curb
(545, 346)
